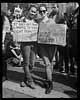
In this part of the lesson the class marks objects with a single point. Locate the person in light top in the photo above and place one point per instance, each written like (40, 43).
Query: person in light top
(29, 51)
(46, 51)
(43, 15)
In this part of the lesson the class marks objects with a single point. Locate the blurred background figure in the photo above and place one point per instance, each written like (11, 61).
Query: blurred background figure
(18, 13)
(5, 31)
(56, 14)
(58, 17)
(71, 18)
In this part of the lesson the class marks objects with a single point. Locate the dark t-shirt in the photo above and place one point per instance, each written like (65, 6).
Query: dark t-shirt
(9, 47)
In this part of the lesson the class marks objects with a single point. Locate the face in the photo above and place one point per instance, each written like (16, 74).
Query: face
(9, 12)
(32, 12)
(18, 16)
(43, 11)
(18, 12)
(55, 9)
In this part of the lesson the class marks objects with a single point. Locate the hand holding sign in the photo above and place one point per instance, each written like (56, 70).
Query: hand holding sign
(25, 31)
(52, 34)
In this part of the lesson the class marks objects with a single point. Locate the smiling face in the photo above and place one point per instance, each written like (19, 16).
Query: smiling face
(43, 11)
(32, 12)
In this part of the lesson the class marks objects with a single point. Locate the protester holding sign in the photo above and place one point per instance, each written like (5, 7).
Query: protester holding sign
(46, 50)
(28, 46)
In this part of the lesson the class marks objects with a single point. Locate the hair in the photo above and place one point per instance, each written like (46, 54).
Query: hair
(56, 5)
(32, 5)
(42, 5)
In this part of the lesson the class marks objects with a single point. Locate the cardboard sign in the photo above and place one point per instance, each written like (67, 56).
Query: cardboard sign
(52, 34)
(25, 31)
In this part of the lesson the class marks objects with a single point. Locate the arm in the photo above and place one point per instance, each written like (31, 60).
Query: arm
(13, 51)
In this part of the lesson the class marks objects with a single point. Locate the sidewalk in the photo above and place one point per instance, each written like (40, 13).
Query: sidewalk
(38, 92)
(63, 87)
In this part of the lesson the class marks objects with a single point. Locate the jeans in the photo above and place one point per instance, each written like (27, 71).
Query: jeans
(47, 52)
(28, 53)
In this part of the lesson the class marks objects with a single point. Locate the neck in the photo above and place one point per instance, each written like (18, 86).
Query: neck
(45, 19)
(30, 18)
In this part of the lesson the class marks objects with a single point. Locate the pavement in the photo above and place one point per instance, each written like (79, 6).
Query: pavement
(63, 86)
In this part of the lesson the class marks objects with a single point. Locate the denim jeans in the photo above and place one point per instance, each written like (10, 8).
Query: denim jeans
(47, 52)
(28, 53)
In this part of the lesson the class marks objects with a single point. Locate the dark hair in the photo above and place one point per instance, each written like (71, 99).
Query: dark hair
(32, 5)
(43, 5)
(57, 5)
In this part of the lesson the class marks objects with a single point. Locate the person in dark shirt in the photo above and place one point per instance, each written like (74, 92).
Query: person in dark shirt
(57, 15)
(59, 18)
(5, 31)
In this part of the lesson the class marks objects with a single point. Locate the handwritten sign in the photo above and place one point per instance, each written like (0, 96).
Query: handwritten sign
(52, 34)
(25, 31)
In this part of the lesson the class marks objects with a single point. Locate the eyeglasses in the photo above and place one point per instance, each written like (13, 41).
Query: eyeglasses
(42, 11)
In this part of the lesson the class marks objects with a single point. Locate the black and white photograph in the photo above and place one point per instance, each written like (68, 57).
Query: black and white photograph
(40, 62)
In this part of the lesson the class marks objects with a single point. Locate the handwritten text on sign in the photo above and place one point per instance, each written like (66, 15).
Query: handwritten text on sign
(52, 34)
(25, 31)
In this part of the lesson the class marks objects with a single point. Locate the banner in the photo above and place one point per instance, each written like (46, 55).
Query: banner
(25, 31)
(52, 34)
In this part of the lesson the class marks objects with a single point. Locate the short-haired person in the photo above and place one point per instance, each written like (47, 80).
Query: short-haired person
(29, 51)
(46, 51)
(56, 14)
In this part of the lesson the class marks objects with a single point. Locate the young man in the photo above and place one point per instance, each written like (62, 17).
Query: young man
(28, 51)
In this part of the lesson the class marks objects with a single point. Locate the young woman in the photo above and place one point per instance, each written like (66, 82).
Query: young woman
(46, 51)
(28, 51)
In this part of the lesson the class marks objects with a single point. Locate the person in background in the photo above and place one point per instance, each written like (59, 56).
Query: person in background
(5, 31)
(13, 54)
(56, 14)
(17, 13)
(13, 47)
(58, 17)
(72, 35)
(46, 51)
(29, 51)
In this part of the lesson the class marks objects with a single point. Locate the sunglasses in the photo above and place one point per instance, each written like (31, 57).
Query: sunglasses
(42, 11)
(33, 11)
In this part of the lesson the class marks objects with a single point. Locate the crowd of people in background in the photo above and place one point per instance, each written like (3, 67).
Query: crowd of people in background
(64, 59)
